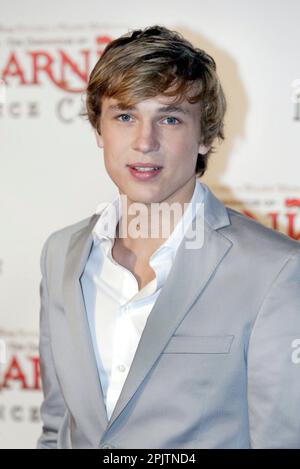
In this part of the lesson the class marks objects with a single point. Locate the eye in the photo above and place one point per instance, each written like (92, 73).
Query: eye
(124, 117)
(172, 120)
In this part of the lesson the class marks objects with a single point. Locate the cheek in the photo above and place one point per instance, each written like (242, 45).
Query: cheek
(111, 162)
(112, 150)
(184, 141)
(116, 145)
(183, 153)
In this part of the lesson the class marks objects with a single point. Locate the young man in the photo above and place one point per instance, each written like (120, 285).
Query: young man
(149, 341)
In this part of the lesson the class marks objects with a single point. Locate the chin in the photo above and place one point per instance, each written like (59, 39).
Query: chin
(141, 197)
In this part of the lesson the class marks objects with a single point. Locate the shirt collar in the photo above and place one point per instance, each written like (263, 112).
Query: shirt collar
(189, 213)
(105, 228)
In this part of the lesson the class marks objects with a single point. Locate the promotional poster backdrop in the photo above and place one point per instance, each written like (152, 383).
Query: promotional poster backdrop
(52, 173)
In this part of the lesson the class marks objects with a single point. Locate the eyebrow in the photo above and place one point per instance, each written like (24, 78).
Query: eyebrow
(167, 108)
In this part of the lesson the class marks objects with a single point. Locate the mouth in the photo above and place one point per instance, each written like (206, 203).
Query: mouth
(144, 172)
(145, 166)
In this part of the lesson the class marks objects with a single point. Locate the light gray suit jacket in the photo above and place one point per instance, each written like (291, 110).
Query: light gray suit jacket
(218, 363)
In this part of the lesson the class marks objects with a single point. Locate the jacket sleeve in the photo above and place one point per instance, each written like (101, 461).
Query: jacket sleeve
(53, 406)
(274, 363)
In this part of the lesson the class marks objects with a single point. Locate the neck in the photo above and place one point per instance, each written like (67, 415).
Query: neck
(151, 225)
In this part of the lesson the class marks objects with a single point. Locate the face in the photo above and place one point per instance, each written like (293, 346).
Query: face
(156, 132)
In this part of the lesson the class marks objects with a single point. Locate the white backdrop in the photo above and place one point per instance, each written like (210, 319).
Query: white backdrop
(52, 173)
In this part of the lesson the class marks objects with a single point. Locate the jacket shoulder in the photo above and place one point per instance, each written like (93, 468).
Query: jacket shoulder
(254, 235)
(58, 240)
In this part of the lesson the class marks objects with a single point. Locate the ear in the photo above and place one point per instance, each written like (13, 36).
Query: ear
(203, 149)
(99, 139)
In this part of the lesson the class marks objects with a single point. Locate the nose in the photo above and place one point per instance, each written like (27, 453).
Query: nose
(145, 138)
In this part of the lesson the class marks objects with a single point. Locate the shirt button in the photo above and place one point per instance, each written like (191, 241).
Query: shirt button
(121, 368)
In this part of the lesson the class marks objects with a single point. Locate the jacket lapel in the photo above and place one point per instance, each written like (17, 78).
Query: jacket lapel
(92, 414)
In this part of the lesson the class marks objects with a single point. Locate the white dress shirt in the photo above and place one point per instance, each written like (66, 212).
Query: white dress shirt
(117, 310)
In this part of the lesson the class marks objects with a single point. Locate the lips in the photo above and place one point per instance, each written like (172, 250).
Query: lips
(144, 165)
(145, 168)
(144, 174)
